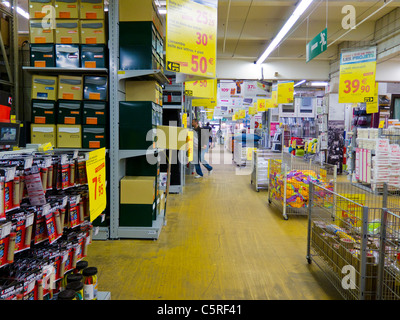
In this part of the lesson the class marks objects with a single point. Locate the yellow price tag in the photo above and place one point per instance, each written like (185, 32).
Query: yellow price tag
(189, 144)
(261, 105)
(373, 106)
(381, 124)
(285, 92)
(96, 175)
(202, 88)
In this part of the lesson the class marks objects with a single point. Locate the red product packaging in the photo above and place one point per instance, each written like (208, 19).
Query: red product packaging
(40, 229)
(20, 235)
(3, 250)
(51, 229)
(8, 196)
(74, 215)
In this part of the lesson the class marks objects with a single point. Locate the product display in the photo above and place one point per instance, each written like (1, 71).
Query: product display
(42, 55)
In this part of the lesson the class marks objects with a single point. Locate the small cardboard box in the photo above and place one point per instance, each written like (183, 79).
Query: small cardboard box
(67, 31)
(95, 88)
(44, 112)
(70, 87)
(44, 87)
(67, 56)
(93, 137)
(138, 190)
(67, 9)
(42, 55)
(93, 56)
(44, 133)
(36, 8)
(69, 112)
(94, 112)
(143, 91)
(92, 9)
(92, 31)
(38, 34)
(69, 136)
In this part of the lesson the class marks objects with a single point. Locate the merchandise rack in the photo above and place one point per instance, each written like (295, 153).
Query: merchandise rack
(353, 237)
(292, 196)
(118, 157)
(259, 174)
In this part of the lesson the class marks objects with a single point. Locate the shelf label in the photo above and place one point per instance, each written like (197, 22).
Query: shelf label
(96, 175)
(191, 37)
(357, 75)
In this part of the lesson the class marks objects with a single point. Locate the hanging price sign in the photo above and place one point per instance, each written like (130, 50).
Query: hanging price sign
(96, 175)
(372, 105)
(191, 37)
(357, 75)
(201, 88)
(274, 95)
(285, 92)
(261, 105)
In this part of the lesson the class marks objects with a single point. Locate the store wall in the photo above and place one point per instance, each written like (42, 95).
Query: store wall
(285, 69)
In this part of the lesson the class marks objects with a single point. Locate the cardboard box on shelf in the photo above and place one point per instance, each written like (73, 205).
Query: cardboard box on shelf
(67, 31)
(69, 136)
(37, 8)
(70, 87)
(143, 91)
(42, 55)
(138, 190)
(67, 9)
(67, 55)
(44, 133)
(39, 34)
(44, 112)
(44, 87)
(94, 112)
(95, 88)
(69, 112)
(92, 9)
(93, 137)
(93, 56)
(92, 31)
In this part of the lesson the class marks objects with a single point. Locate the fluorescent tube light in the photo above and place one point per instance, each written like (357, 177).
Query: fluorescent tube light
(22, 12)
(299, 83)
(304, 4)
(319, 84)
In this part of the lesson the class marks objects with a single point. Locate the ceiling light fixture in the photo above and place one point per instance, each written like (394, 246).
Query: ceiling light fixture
(22, 12)
(299, 83)
(304, 4)
(319, 84)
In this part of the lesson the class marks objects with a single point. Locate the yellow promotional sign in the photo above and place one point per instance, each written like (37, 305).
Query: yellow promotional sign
(184, 120)
(96, 176)
(285, 92)
(249, 152)
(206, 103)
(274, 95)
(189, 143)
(357, 75)
(269, 104)
(262, 105)
(373, 106)
(191, 37)
(242, 114)
(201, 88)
(252, 110)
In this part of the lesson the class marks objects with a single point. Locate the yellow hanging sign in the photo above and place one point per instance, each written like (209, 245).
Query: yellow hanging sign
(373, 106)
(285, 92)
(191, 37)
(96, 176)
(189, 144)
(252, 110)
(206, 103)
(201, 89)
(357, 75)
(262, 105)
(274, 95)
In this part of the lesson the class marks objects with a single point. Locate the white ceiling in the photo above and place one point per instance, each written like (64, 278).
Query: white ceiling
(245, 27)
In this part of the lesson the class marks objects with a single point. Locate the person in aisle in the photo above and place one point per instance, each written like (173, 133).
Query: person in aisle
(199, 148)
(208, 130)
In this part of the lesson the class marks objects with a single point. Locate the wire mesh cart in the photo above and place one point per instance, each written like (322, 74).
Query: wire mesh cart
(260, 163)
(289, 179)
(353, 237)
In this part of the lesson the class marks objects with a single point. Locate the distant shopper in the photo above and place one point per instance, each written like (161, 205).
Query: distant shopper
(199, 148)
(208, 131)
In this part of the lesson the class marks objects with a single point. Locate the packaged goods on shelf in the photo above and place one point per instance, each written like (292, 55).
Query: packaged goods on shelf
(70, 87)
(67, 55)
(36, 8)
(93, 56)
(44, 87)
(67, 31)
(40, 33)
(69, 136)
(69, 112)
(67, 9)
(91, 9)
(95, 88)
(94, 113)
(42, 55)
(44, 112)
(92, 32)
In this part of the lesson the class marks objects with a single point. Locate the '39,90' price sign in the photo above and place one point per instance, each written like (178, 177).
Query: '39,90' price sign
(191, 37)
(357, 75)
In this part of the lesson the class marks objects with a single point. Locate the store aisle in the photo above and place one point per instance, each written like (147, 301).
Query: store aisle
(221, 241)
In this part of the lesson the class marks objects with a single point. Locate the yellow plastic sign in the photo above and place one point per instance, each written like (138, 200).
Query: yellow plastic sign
(262, 105)
(96, 175)
(252, 110)
(249, 153)
(242, 114)
(206, 103)
(357, 75)
(274, 95)
(373, 106)
(285, 92)
(201, 88)
(189, 144)
(184, 120)
(191, 37)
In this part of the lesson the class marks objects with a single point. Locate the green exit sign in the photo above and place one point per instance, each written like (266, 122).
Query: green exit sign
(317, 45)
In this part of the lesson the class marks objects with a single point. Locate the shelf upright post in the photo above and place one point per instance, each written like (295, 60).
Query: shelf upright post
(113, 45)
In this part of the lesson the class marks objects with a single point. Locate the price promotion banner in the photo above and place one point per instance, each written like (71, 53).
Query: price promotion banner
(252, 110)
(274, 95)
(96, 175)
(191, 37)
(285, 92)
(262, 105)
(357, 75)
(201, 89)
(242, 114)
(206, 103)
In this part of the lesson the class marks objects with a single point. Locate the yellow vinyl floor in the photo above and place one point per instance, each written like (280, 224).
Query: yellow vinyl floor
(221, 241)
